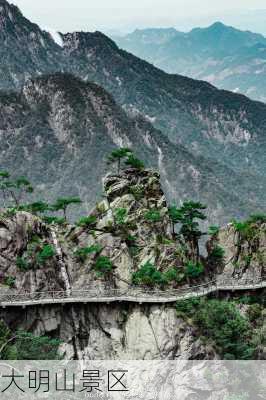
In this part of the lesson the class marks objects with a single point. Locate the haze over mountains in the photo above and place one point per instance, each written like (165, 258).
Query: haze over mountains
(222, 55)
(57, 125)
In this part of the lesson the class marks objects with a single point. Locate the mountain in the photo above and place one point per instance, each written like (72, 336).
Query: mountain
(222, 55)
(208, 144)
(25, 49)
(59, 130)
(218, 125)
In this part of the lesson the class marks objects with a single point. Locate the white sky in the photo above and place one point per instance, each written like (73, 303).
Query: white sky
(126, 15)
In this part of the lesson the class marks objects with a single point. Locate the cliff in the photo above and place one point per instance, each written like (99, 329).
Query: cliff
(128, 229)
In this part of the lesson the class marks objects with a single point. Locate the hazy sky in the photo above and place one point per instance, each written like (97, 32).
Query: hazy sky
(121, 15)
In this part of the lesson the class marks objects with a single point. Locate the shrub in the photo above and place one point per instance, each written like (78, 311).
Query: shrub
(246, 229)
(120, 215)
(193, 270)
(254, 312)
(22, 264)
(188, 307)
(134, 162)
(173, 275)
(153, 216)
(217, 253)
(103, 265)
(130, 239)
(10, 281)
(87, 221)
(54, 220)
(45, 254)
(30, 347)
(83, 252)
(257, 218)
(148, 275)
(213, 230)
(222, 322)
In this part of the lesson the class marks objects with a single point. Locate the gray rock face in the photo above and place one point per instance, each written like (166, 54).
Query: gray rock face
(113, 332)
(33, 51)
(245, 252)
(17, 237)
(116, 330)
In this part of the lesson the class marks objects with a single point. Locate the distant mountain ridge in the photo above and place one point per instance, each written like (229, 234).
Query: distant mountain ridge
(222, 55)
(59, 131)
(208, 144)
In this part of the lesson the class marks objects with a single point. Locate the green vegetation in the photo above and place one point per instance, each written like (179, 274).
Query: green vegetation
(62, 204)
(13, 190)
(120, 215)
(214, 230)
(25, 346)
(217, 254)
(53, 220)
(153, 216)
(36, 254)
(38, 207)
(220, 322)
(103, 266)
(117, 156)
(87, 222)
(148, 275)
(173, 275)
(175, 217)
(45, 254)
(134, 162)
(247, 229)
(187, 216)
(193, 270)
(83, 252)
(22, 264)
(125, 155)
(10, 281)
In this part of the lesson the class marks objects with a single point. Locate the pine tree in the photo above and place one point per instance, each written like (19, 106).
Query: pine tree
(62, 204)
(118, 155)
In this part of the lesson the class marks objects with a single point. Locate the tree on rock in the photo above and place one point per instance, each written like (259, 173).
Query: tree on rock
(14, 189)
(187, 216)
(175, 217)
(38, 207)
(134, 162)
(117, 156)
(62, 204)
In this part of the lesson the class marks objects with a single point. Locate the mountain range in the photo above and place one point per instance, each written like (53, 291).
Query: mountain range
(65, 106)
(222, 55)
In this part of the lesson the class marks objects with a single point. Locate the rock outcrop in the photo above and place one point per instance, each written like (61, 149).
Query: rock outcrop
(245, 251)
(128, 228)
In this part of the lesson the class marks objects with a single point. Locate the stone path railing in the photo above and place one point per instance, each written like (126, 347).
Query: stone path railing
(131, 294)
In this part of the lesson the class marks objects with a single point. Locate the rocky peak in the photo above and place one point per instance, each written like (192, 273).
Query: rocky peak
(84, 41)
(120, 235)
(146, 181)
(9, 15)
(26, 50)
